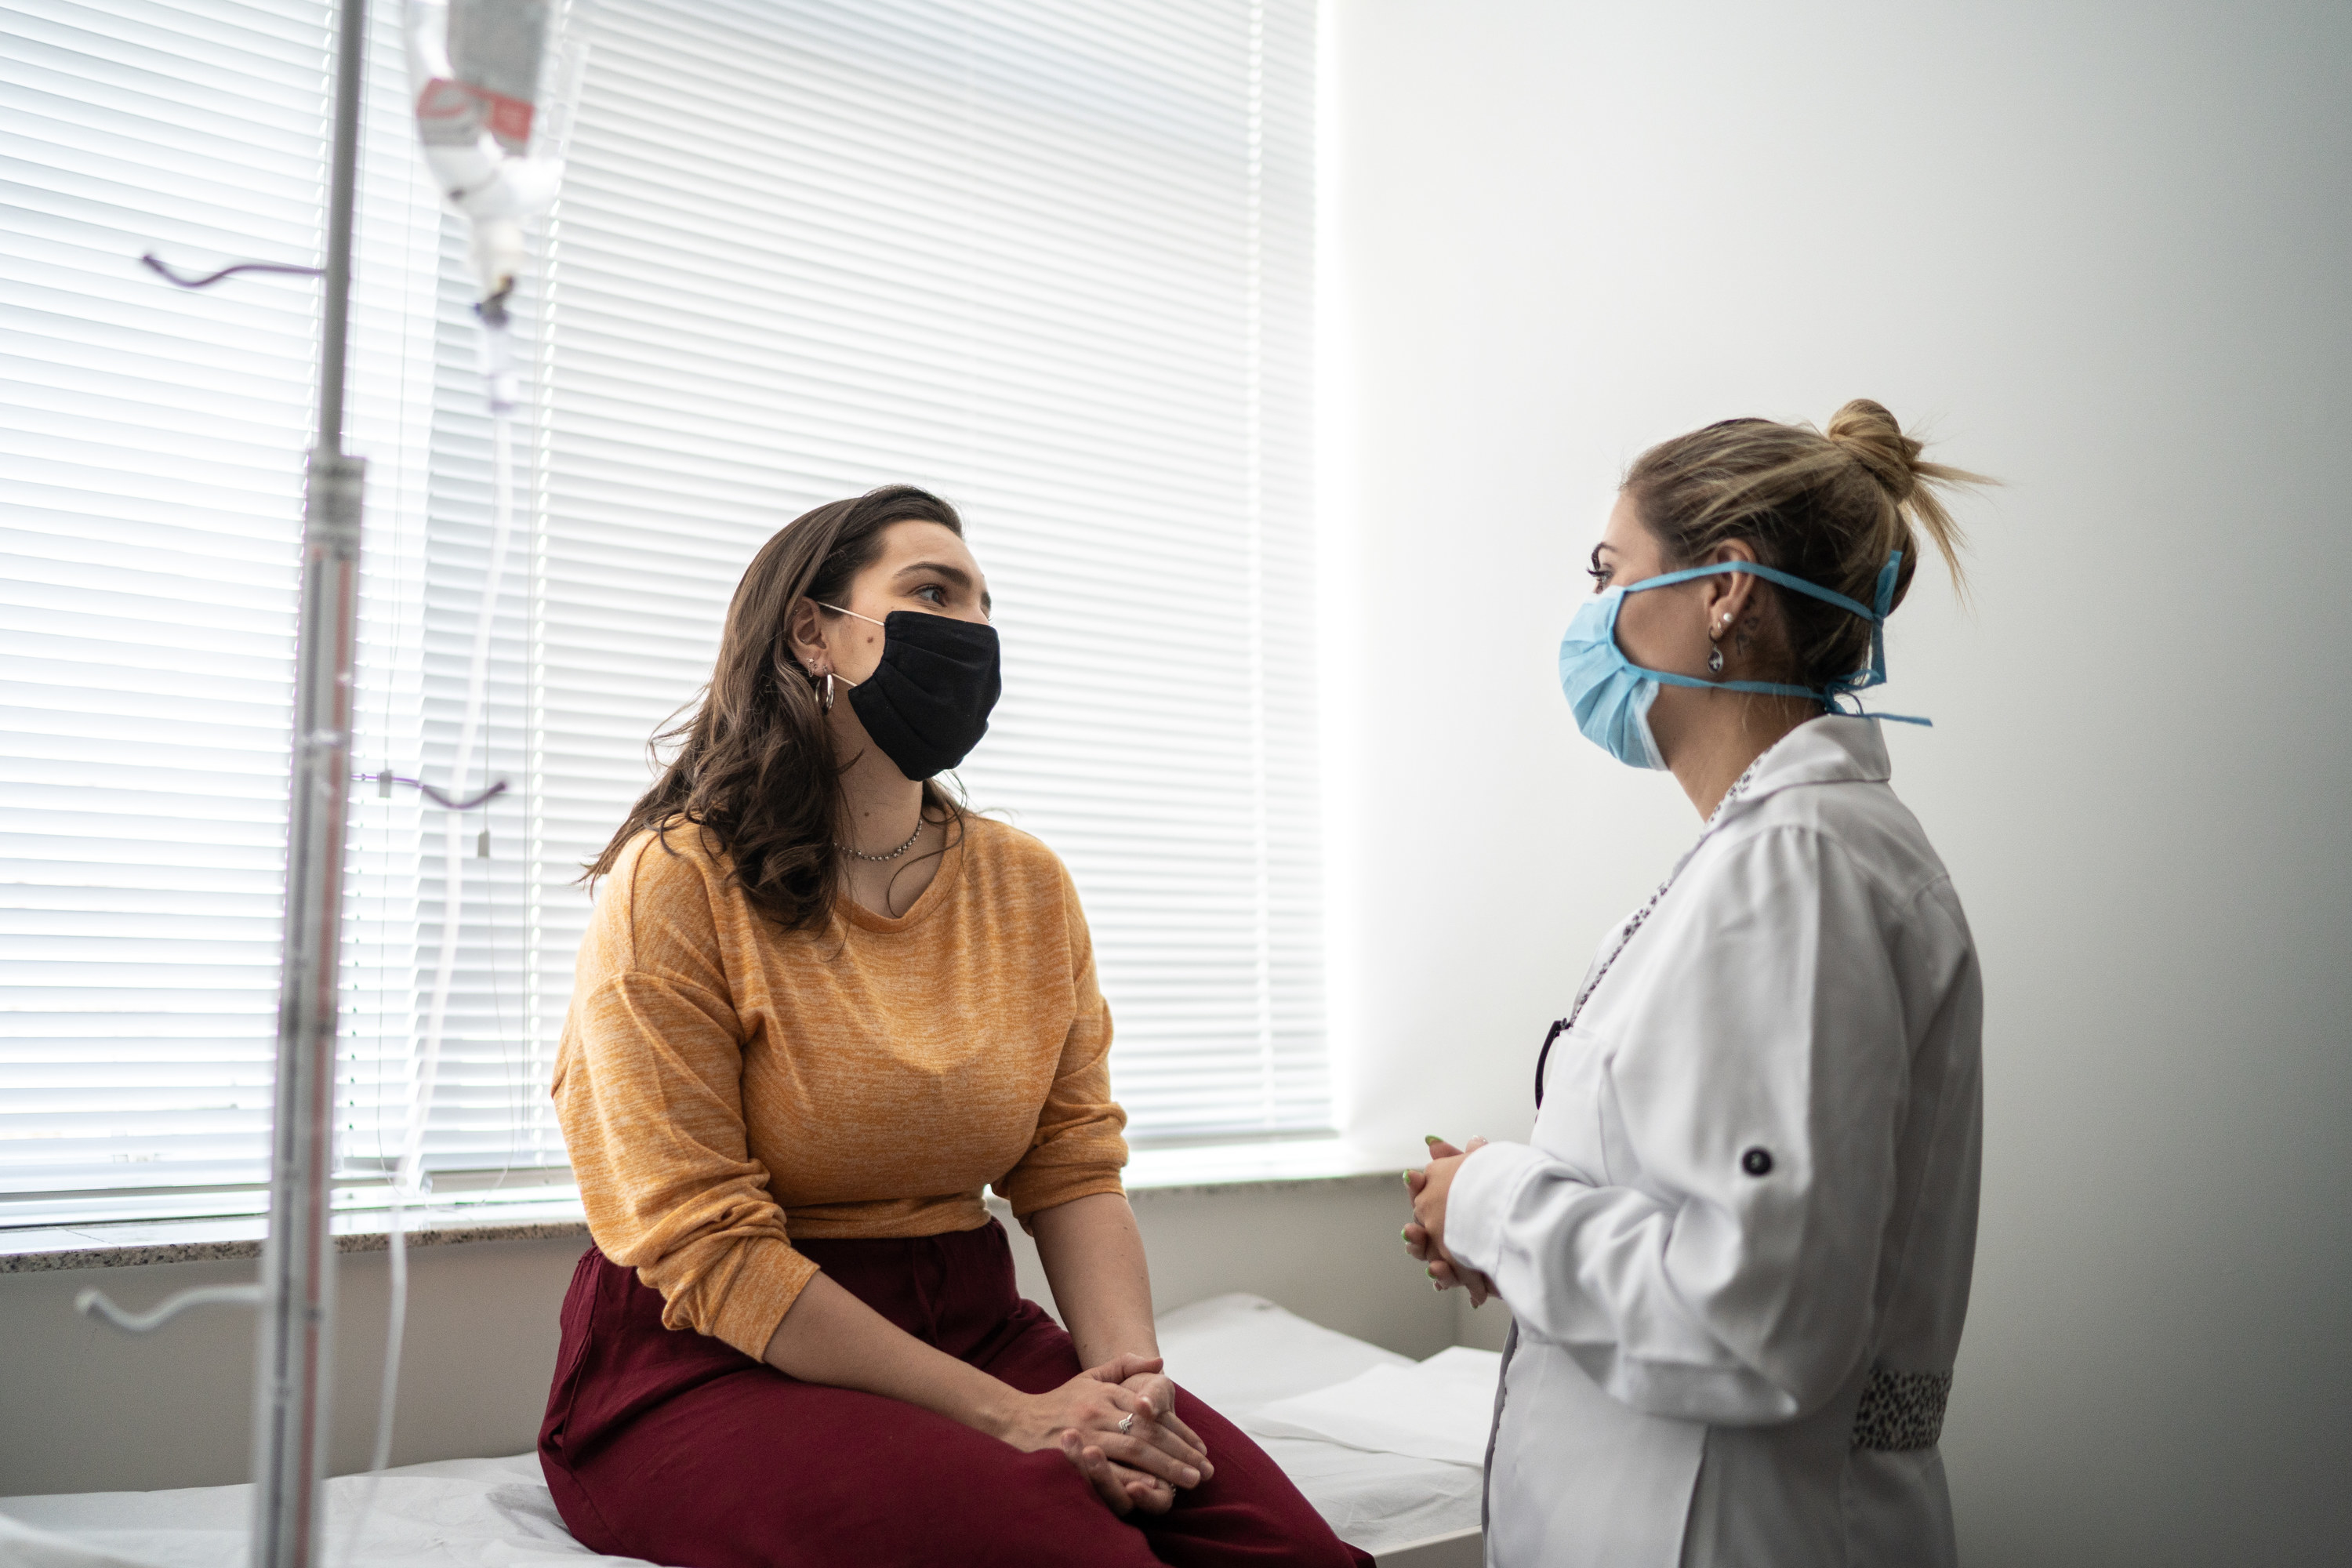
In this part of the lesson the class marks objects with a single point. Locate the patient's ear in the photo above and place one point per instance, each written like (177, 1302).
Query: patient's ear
(805, 631)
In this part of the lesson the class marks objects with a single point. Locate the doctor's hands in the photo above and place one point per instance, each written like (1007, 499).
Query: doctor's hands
(1425, 1237)
(1138, 1469)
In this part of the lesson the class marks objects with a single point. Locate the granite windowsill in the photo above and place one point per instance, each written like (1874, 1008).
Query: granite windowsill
(230, 1240)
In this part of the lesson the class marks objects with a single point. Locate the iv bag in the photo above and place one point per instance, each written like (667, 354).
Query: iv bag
(494, 84)
(498, 49)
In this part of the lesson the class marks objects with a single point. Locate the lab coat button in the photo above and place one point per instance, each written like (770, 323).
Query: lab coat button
(1756, 1162)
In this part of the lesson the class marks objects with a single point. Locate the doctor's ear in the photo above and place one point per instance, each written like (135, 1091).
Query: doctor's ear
(1728, 595)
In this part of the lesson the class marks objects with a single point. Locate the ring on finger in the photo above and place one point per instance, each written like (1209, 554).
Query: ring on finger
(1125, 1422)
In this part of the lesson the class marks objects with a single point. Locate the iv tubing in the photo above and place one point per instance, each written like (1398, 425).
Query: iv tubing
(412, 1154)
(519, 188)
(406, 1175)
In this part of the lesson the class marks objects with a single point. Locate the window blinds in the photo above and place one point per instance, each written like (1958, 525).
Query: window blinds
(1051, 260)
(147, 518)
(151, 464)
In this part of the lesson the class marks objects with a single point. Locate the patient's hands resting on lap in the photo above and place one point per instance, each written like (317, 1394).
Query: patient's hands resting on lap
(829, 1336)
(1425, 1239)
(1150, 1385)
(1139, 1468)
(1093, 1257)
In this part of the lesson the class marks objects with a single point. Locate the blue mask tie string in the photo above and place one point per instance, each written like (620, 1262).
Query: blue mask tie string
(1846, 688)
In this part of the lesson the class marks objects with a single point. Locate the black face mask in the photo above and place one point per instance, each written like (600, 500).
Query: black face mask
(927, 703)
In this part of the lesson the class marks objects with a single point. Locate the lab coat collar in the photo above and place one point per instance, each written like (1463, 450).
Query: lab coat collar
(1832, 749)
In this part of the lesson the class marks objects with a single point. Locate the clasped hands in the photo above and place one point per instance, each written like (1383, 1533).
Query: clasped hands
(1140, 1468)
(1425, 1239)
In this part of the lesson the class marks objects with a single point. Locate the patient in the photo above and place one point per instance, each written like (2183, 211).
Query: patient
(817, 1008)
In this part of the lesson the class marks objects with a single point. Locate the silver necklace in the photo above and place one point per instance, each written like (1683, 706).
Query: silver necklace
(1640, 918)
(894, 853)
(1642, 915)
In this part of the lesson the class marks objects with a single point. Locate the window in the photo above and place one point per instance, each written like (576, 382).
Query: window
(1053, 262)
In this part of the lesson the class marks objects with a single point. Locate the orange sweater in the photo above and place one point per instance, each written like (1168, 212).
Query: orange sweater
(725, 1084)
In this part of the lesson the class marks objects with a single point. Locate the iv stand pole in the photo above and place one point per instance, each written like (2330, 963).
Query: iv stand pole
(297, 1264)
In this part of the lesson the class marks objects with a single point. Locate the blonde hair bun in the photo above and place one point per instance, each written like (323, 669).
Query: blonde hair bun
(1870, 435)
(1830, 506)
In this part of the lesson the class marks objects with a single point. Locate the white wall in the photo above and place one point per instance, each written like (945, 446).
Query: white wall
(84, 1408)
(2101, 251)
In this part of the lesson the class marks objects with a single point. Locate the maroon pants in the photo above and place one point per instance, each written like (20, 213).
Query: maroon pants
(668, 1444)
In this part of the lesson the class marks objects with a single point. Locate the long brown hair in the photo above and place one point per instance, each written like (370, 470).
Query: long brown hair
(754, 767)
(1828, 506)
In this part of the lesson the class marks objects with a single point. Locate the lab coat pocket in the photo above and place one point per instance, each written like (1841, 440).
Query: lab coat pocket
(1619, 1166)
(1568, 1126)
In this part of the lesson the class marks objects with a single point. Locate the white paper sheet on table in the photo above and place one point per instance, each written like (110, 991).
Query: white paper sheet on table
(1239, 1353)
(22, 1546)
(1436, 1409)
(455, 1513)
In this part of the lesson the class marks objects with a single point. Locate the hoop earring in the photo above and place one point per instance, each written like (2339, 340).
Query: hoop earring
(1714, 651)
(826, 700)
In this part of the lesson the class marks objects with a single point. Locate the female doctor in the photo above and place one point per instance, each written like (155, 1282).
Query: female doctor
(1737, 1247)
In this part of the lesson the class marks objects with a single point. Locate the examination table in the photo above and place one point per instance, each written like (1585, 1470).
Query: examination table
(1388, 1449)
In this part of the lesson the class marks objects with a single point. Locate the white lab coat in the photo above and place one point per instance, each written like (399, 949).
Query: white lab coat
(1692, 1339)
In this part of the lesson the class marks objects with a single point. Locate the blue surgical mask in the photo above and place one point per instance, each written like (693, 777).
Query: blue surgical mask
(1611, 695)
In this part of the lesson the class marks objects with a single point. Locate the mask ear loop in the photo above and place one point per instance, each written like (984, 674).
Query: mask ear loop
(1828, 695)
(1883, 606)
(825, 700)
